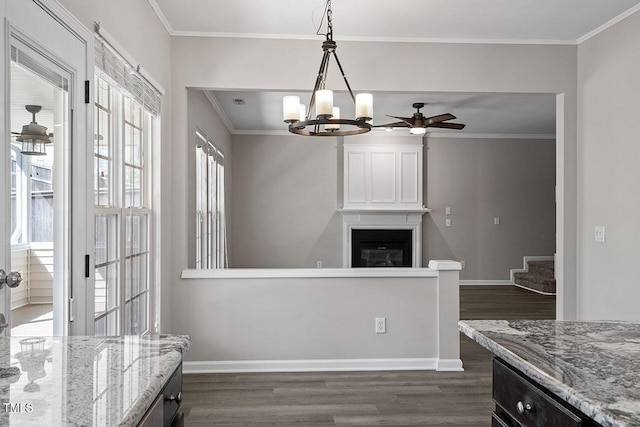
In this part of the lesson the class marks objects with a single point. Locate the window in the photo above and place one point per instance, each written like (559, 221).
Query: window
(211, 243)
(124, 132)
(127, 109)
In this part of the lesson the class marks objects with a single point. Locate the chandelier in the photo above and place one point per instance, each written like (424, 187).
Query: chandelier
(327, 120)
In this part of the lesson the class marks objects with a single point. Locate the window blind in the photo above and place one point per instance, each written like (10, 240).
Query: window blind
(126, 76)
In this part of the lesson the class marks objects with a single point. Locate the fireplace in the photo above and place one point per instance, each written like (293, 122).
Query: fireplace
(381, 248)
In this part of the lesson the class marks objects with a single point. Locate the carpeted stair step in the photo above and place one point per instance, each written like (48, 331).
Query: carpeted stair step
(536, 282)
(541, 268)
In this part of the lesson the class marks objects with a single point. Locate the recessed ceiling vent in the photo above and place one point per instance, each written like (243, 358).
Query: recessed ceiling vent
(239, 101)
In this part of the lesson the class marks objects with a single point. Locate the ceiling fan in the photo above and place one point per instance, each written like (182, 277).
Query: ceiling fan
(34, 137)
(418, 123)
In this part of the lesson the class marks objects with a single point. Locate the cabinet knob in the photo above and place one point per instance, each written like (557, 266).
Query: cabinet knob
(176, 399)
(522, 407)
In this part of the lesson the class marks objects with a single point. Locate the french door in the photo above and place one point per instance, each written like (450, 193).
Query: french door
(44, 209)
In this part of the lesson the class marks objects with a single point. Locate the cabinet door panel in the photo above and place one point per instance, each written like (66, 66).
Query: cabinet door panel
(409, 177)
(356, 180)
(383, 177)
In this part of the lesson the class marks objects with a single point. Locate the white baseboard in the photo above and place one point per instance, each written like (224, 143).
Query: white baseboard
(485, 282)
(525, 263)
(236, 366)
(449, 365)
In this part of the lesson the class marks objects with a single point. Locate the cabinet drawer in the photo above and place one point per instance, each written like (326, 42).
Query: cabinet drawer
(172, 396)
(527, 403)
(498, 421)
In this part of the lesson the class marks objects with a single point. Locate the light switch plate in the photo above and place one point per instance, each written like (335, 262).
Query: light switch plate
(447, 222)
(600, 234)
(447, 210)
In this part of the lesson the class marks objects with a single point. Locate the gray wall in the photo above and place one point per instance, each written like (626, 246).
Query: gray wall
(480, 179)
(609, 129)
(286, 191)
(284, 203)
(308, 318)
(204, 117)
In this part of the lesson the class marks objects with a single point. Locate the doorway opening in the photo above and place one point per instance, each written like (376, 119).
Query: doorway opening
(39, 192)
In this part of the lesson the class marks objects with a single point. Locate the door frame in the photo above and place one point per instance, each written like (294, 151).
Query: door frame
(78, 316)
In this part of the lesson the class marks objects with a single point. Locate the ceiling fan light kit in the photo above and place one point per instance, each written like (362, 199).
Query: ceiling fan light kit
(327, 121)
(418, 123)
(34, 137)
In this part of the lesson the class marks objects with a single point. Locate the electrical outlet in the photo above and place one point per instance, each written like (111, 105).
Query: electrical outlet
(319, 264)
(381, 325)
(463, 264)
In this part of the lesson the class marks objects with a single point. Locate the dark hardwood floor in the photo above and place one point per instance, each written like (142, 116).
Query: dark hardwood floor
(422, 398)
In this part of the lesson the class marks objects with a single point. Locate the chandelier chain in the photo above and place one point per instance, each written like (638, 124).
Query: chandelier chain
(329, 21)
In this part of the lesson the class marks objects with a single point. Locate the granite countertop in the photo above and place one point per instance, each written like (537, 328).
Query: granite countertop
(84, 381)
(594, 366)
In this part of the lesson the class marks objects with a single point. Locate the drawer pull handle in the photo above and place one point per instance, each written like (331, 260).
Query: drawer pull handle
(178, 398)
(521, 407)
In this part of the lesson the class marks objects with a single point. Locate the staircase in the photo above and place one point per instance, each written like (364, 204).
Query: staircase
(539, 277)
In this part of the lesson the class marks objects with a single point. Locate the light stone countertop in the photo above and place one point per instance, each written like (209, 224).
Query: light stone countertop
(84, 381)
(594, 366)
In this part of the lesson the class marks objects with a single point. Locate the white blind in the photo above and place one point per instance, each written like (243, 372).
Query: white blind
(125, 75)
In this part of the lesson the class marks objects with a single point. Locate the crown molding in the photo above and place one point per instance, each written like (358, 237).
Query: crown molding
(162, 17)
(608, 24)
(314, 37)
(491, 135)
(396, 134)
(216, 106)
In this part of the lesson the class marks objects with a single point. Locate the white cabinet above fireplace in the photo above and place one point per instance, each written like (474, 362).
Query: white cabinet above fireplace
(383, 177)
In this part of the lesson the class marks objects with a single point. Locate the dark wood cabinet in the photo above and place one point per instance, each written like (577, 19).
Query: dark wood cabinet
(521, 402)
(165, 409)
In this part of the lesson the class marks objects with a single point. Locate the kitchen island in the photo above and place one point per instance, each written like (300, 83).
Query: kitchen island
(587, 372)
(87, 381)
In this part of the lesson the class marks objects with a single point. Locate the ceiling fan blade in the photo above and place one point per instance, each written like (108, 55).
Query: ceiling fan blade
(439, 118)
(400, 118)
(394, 125)
(409, 120)
(447, 125)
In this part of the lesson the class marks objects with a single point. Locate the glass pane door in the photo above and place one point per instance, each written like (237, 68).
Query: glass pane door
(39, 122)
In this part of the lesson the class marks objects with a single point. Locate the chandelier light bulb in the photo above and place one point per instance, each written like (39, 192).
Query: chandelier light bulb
(291, 108)
(324, 103)
(364, 106)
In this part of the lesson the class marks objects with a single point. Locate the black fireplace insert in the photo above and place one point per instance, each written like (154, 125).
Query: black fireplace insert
(381, 248)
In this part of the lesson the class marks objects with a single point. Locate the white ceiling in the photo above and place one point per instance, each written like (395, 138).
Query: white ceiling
(28, 88)
(496, 21)
(532, 21)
